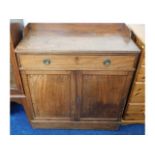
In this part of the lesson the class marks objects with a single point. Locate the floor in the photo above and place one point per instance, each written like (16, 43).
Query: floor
(20, 126)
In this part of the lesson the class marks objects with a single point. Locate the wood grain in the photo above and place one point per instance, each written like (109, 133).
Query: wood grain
(138, 93)
(51, 95)
(141, 75)
(95, 99)
(135, 116)
(136, 108)
(100, 98)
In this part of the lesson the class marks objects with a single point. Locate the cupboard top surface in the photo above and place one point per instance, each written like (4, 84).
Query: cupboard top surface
(76, 38)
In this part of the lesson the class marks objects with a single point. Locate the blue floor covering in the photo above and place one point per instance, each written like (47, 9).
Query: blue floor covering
(20, 126)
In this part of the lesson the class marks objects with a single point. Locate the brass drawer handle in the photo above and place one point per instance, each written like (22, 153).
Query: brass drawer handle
(107, 62)
(47, 61)
(142, 46)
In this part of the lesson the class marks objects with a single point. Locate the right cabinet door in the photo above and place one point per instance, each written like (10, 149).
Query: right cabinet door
(102, 94)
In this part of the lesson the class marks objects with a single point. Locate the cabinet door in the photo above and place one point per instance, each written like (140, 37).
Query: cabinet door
(52, 94)
(102, 94)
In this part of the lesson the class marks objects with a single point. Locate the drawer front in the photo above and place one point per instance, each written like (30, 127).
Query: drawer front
(131, 116)
(138, 93)
(143, 59)
(141, 74)
(72, 62)
(135, 108)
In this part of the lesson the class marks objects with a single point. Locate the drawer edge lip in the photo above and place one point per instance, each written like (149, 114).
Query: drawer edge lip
(140, 83)
(60, 69)
(135, 113)
(136, 103)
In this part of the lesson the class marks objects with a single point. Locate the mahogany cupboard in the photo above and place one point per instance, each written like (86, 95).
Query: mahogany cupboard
(76, 75)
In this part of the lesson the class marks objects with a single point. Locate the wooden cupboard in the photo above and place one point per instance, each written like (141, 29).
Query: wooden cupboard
(76, 75)
(135, 108)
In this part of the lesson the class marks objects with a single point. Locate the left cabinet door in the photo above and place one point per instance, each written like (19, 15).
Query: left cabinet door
(51, 94)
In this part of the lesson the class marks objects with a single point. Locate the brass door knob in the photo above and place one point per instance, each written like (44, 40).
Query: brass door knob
(107, 62)
(47, 61)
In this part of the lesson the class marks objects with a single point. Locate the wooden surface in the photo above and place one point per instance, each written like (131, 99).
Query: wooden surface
(75, 39)
(76, 89)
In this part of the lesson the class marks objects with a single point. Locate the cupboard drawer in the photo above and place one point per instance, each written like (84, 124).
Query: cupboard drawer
(132, 116)
(138, 93)
(135, 108)
(74, 62)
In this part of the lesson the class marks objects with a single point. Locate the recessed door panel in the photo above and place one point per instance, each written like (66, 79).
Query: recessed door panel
(51, 95)
(102, 96)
